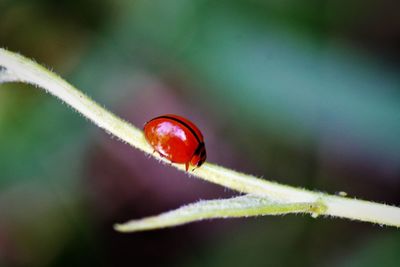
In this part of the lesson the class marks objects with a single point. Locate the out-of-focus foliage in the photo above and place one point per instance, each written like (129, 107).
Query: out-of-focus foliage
(306, 93)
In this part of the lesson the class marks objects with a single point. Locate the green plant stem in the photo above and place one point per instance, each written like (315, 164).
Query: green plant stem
(19, 68)
(242, 206)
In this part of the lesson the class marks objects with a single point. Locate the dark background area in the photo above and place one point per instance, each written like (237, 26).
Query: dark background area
(305, 93)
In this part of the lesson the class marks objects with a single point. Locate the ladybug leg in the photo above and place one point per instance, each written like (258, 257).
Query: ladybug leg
(161, 155)
(187, 166)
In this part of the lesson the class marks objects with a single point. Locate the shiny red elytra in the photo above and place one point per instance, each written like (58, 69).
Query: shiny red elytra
(176, 139)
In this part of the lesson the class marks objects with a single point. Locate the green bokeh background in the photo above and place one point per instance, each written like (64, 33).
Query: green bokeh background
(301, 92)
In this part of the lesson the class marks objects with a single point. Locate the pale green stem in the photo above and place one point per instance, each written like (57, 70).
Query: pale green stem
(243, 206)
(19, 68)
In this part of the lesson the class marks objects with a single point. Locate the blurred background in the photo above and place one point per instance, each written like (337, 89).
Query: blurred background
(301, 92)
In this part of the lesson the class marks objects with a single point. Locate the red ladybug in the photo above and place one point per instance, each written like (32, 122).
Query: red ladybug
(176, 139)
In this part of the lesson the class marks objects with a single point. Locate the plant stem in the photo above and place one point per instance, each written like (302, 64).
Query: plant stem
(19, 68)
(242, 206)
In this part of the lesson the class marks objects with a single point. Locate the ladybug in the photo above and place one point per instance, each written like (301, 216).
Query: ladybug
(176, 139)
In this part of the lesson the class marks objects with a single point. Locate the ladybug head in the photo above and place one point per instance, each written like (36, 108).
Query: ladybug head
(199, 156)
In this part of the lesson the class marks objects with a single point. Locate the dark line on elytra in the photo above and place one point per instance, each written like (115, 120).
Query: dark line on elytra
(197, 151)
(181, 122)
